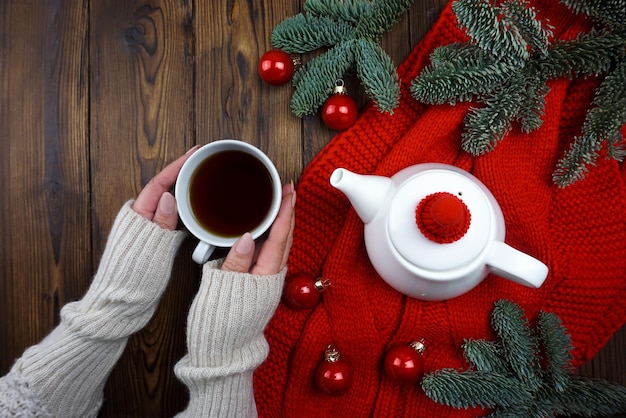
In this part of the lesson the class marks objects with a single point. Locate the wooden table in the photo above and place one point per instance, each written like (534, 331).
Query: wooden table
(97, 96)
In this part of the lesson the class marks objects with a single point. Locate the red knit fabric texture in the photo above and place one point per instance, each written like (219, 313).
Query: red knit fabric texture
(442, 217)
(578, 231)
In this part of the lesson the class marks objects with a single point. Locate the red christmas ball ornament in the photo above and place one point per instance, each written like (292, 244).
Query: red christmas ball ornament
(333, 376)
(276, 67)
(302, 291)
(404, 363)
(340, 110)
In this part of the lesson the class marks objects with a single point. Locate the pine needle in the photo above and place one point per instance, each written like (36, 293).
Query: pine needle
(602, 124)
(557, 346)
(459, 73)
(378, 75)
(507, 66)
(474, 388)
(486, 356)
(611, 13)
(346, 10)
(506, 375)
(304, 33)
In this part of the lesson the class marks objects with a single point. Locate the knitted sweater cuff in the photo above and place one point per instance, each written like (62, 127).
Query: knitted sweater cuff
(132, 276)
(65, 373)
(225, 340)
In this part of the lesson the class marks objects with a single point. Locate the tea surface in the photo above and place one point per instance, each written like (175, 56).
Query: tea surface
(230, 193)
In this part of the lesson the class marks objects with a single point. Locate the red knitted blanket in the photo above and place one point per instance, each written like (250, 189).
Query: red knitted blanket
(578, 231)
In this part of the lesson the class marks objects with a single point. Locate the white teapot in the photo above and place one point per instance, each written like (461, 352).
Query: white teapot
(434, 231)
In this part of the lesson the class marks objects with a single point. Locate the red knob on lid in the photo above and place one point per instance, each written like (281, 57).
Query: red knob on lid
(442, 217)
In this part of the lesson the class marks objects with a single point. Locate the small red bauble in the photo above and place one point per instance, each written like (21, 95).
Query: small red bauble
(302, 291)
(404, 364)
(276, 67)
(340, 110)
(333, 376)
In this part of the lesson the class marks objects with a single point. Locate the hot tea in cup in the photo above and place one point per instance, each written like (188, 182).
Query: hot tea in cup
(227, 188)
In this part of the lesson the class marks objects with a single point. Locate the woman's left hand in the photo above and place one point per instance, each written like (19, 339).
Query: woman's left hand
(155, 202)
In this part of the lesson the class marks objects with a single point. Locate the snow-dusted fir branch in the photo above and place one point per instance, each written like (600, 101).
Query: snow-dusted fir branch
(603, 123)
(508, 64)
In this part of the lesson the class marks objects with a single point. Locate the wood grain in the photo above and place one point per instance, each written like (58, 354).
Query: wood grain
(44, 237)
(142, 117)
(97, 97)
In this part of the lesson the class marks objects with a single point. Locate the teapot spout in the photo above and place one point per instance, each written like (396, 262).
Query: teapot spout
(366, 193)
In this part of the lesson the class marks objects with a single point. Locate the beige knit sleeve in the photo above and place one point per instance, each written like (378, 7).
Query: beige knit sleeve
(64, 374)
(226, 342)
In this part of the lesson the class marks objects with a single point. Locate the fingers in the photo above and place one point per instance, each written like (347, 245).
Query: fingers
(275, 250)
(240, 257)
(149, 198)
(165, 215)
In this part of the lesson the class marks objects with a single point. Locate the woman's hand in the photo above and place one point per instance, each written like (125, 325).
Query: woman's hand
(155, 202)
(272, 256)
(158, 205)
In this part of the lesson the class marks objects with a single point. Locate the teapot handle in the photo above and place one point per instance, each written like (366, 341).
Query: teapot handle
(509, 263)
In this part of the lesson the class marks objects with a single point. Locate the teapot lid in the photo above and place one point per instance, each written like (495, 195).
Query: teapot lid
(441, 219)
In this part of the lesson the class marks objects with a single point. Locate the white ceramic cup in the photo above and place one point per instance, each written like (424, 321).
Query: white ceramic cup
(209, 240)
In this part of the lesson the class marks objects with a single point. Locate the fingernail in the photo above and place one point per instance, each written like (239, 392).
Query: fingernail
(293, 199)
(167, 203)
(192, 149)
(245, 244)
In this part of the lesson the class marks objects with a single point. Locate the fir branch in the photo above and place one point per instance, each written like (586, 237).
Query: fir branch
(609, 112)
(557, 346)
(347, 10)
(616, 147)
(588, 54)
(495, 71)
(506, 375)
(520, 346)
(303, 33)
(314, 83)
(511, 30)
(534, 102)
(458, 73)
(608, 12)
(378, 75)
(593, 397)
(516, 411)
(492, 29)
(474, 388)
(602, 124)
(486, 126)
(384, 14)
(485, 356)
(574, 165)
(344, 27)
(523, 17)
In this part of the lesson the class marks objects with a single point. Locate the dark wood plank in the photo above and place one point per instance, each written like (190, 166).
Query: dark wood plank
(610, 362)
(44, 231)
(422, 16)
(231, 99)
(142, 102)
